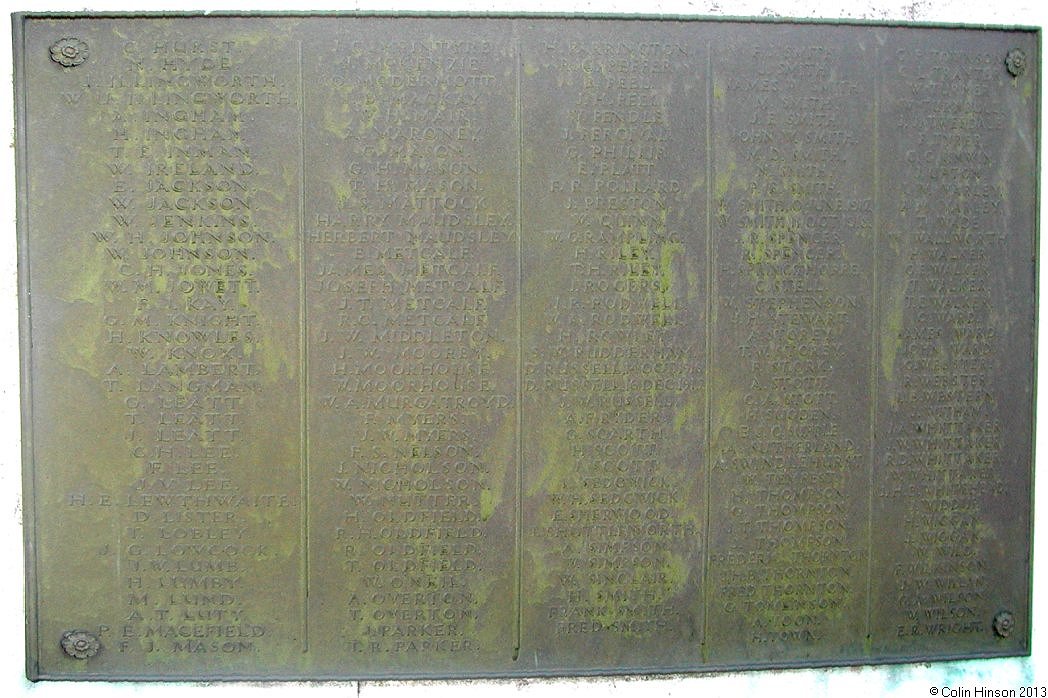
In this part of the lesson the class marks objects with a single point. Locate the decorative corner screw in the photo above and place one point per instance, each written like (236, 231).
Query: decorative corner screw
(80, 644)
(1003, 623)
(1015, 62)
(69, 52)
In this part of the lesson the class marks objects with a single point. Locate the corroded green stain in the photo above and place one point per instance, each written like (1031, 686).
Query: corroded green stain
(687, 414)
(665, 299)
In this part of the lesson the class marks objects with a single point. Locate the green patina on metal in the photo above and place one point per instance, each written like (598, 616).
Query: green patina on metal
(372, 345)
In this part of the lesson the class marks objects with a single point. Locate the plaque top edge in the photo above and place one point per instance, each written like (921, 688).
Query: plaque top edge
(511, 14)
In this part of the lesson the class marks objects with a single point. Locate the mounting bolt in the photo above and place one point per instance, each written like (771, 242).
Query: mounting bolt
(1015, 62)
(1003, 623)
(69, 52)
(80, 644)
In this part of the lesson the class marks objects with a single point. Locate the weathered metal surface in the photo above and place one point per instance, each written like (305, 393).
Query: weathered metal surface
(370, 346)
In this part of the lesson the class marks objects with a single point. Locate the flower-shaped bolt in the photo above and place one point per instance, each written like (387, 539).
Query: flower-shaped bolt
(80, 644)
(1015, 62)
(69, 52)
(1003, 623)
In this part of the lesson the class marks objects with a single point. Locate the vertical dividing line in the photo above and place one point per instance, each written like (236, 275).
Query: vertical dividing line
(303, 353)
(519, 526)
(875, 338)
(708, 349)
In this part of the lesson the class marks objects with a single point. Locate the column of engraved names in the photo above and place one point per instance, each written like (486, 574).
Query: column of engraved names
(187, 242)
(946, 474)
(412, 322)
(792, 223)
(614, 275)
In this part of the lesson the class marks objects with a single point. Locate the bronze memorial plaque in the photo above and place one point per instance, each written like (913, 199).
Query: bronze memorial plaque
(449, 346)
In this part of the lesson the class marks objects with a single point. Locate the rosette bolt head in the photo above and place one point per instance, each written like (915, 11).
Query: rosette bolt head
(69, 52)
(1003, 623)
(1015, 62)
(80, 644)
